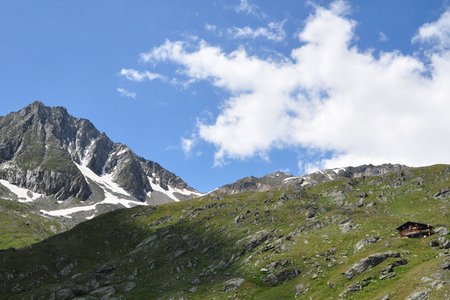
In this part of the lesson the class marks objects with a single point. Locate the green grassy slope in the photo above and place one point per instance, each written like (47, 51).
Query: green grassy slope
(21, 225)
(191, 249)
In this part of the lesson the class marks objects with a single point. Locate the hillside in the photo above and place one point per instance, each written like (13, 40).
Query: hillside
(22, 225)
(295, 243)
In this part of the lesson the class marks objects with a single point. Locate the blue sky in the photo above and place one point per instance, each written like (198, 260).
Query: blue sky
(219, 90)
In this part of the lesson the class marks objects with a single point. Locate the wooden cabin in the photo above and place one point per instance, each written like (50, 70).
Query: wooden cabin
(414, 229)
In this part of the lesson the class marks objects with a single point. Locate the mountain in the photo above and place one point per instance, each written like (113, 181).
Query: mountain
(66, 167)
(336, 239)
(283, 180)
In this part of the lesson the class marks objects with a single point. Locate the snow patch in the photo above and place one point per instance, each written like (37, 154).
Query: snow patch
(123, 151)
(171, 191)
(68, 211)
(105, 181)
(24, 195)
(109, 199)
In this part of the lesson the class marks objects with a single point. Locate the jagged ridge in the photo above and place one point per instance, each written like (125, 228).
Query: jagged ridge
(48, 151)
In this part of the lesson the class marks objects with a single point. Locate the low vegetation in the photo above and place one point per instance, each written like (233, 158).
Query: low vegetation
(291, 244)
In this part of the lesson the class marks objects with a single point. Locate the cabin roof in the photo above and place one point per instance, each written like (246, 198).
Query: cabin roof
(409, 223)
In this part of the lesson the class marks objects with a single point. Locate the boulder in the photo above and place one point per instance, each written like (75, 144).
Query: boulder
(445, 265)
(64, 294)
(346, 225)
(300, 289)
(441, 230)
(257, 239)
(233, 284)
(369, 262)
(365, 242)
(104, 292)
(434, 243)
(419, 295)
(444, 242)
(281, 276)
(442, 193)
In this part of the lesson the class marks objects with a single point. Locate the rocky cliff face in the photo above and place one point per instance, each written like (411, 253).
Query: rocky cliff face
(47, 151)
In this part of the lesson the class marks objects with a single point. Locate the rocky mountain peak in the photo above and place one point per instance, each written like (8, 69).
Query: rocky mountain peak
(48, 151)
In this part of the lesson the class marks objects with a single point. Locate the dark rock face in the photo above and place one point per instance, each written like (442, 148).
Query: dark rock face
(41, 146)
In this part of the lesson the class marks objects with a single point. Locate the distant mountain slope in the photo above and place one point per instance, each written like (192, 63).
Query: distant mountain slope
(282, 180)
(48, 152)
(330, 240)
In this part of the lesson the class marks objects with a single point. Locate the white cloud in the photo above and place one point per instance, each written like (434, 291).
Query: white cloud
(247, 7)
(135, 75)
(437, 33)
(187, 144)
(126, 93)
(274, 32)
(329, 96)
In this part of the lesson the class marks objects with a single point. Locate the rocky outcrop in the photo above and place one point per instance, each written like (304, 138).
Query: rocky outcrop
(281, 276)
(365, 242)
(368, 262)
(233, 284)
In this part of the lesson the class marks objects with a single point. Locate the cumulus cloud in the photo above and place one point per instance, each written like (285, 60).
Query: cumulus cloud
(135, 75)
(126, 93)
(329, 96)
(436, 33)
(274, 32)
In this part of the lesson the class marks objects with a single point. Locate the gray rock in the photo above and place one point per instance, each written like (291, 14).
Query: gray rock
(368, 262)
(419, 295)
(444, 242)
(346, 225)
(310, 214)
(442, 193)
(129, 286)
(257, 239)
(79, 290)
(233, 284)
(419, 181)
(445, 265)
(66, 270)
(64, 294)
(365, 242)
(300, 289)
(274, 279)
(104, 292)
(351, 289)
(105, 269)
(434, 243)
(441, 230)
